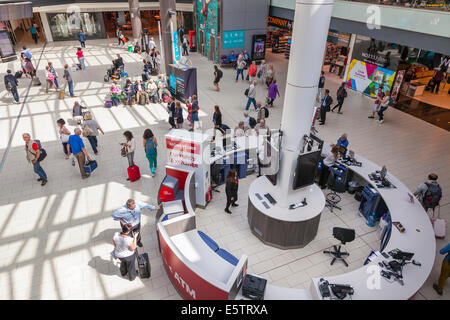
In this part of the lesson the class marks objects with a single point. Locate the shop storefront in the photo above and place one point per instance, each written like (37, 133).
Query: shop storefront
(336, 53)
(278, 35)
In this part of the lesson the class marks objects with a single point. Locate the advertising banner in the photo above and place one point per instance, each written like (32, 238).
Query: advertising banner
(175, 47)
(259, 47)
(233, 39)
(183, 153)
(367, 78)
(206, 17)
(182, 82)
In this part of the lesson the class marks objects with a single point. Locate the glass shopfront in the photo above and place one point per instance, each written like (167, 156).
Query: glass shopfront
(65, 26)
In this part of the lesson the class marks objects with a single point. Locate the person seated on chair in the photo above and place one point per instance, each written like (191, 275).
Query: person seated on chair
(129, 91)
(137, 48)
(429, 193)
(330, 159)
(232, 58)
(152, 89)
(139, 88)
(118, 63)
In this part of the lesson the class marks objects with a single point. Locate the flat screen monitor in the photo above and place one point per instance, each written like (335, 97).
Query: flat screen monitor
(383, 173)
(306, 170)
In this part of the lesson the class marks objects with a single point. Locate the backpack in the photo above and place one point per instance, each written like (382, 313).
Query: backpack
(252, 122)
(391, 101)
(219, 74)
(41, 150)
(266, 112)
(150, 147)
(432, 196)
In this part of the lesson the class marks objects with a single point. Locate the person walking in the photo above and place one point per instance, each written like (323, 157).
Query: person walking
(55, 74)
(119, 36)
(437, 78)
(445, 270)
(68, 79)
(64, 135)
(252, 95)
(125, 250)
(325, 106)
(341, 95)
(171, 111)
(252, 71)
(240, 65)
(178, 115)
(262, 72)
(76, 146)
(270, 75)
(94, 128)
(11, 84)
(23, 63)
(150, 145)
(26, 52)
(131, 213)
(185, 45)
(30, 68)
(376, 105)
(82, 38)
(130, 146)
(49, 79)
(321, 86)
(231, 190)
(35, 154)
(80, 57)
(218, 74)
(385, 102)
(34, 33)
(77, 110)
(272, 93)
(151, 44)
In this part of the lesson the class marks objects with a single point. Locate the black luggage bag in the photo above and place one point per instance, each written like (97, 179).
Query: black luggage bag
(143, 265)
(254, 287)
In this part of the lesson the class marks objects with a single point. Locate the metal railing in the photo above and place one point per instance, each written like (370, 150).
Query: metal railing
(440, 5)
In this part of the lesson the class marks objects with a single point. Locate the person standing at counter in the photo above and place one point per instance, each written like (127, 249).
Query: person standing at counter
(325, 107)
(445, 270)
(231, 189)
(429, 193)
(131, 213)
(330, 159)
(125, 251)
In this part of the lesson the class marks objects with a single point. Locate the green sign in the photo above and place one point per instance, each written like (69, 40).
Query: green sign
(233, 39)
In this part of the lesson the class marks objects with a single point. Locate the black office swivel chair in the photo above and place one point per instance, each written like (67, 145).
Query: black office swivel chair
(344, 236)
(332, 198)
(215, 176)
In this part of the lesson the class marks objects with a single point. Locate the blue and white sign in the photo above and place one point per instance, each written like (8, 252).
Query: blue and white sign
(233, 39)
(175, 46)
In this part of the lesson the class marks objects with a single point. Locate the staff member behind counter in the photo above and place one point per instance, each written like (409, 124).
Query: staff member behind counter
(330, 159)
(342, 144)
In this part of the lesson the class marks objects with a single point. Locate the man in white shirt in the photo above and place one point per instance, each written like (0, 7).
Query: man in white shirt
(262, 129)
(252, 95)
(151, 44)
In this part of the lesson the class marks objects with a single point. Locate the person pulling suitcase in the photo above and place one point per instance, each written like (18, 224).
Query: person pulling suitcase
(125, 244)
(131, 213)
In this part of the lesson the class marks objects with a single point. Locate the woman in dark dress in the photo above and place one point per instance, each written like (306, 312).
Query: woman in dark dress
(231, 189)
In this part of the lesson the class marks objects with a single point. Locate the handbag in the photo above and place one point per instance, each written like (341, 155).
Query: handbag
(64, 138)
(87, 131)
(123, 151)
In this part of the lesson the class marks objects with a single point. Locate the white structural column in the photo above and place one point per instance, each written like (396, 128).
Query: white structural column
(350, 55)
(309, 37)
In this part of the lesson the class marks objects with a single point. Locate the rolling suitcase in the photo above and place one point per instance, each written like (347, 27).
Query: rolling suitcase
(143, 265)
(36, 81)
(438, 225)
(134, 173)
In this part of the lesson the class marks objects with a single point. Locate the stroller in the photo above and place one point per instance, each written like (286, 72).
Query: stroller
(114, 73)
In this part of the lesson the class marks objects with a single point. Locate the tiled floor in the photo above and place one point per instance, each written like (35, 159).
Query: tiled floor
(55, 240)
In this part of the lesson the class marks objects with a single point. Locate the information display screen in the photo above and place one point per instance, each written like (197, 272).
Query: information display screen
(259, 47)
(306, 169)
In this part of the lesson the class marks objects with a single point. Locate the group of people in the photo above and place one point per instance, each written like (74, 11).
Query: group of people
(326, 100)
